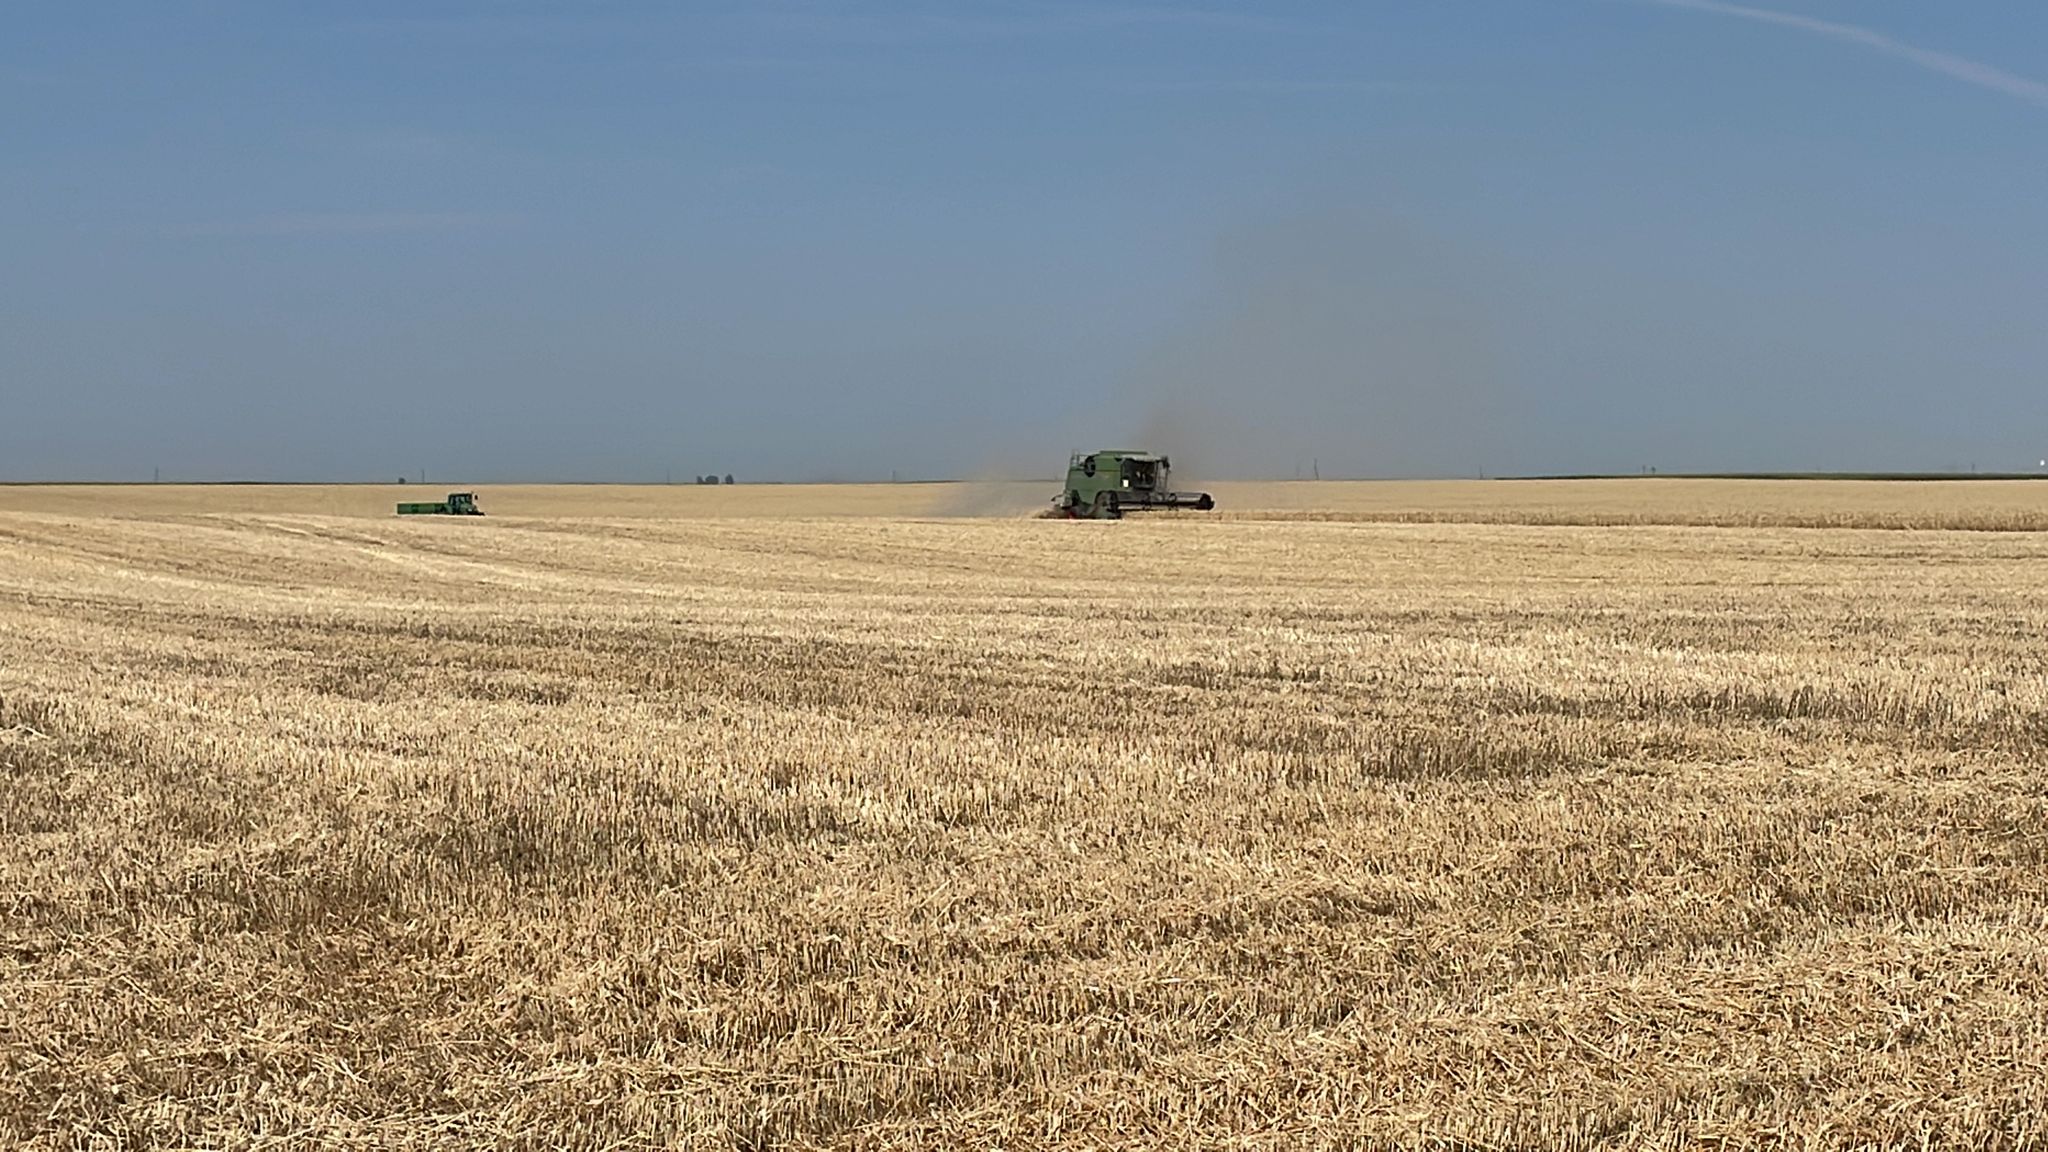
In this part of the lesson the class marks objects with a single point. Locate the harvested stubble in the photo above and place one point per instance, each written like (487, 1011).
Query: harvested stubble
(873, 832)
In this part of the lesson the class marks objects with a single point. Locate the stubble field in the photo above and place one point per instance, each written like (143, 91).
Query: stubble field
(1635, 813)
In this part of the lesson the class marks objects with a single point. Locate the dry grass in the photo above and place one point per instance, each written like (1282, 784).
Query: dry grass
(866, 831)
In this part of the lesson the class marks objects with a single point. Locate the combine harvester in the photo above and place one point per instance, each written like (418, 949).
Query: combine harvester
(457, 504)
(1105, 485)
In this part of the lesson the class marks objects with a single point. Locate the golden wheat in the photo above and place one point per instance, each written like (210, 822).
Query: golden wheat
(845, 824)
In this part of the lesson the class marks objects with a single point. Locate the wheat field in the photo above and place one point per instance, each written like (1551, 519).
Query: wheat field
(1601, 814)
(1983, 505)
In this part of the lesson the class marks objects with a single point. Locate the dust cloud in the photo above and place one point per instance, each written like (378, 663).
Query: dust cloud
(1329, 340)
(1017, 474)
(993, 498)
(1334, 341)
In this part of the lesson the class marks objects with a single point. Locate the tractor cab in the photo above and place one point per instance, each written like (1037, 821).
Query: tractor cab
(463, 504)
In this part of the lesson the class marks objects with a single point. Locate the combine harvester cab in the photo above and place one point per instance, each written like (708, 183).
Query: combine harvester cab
(1105, 485)
(457, 504)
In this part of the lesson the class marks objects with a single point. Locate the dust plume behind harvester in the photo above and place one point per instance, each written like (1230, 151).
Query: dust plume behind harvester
(1106, 484)
(457, 504)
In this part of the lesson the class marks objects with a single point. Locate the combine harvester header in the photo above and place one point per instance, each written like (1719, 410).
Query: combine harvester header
(1104, 485)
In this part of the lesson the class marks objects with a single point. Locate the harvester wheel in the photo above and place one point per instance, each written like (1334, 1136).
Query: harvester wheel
(1105, 507)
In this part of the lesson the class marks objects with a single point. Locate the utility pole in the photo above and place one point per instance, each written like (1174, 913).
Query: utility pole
(1315, 468)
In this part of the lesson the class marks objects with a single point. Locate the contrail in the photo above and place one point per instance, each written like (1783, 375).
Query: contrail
(1961, 68)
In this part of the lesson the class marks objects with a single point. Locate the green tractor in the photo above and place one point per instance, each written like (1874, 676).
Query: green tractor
(457, 504)
(1105, 485)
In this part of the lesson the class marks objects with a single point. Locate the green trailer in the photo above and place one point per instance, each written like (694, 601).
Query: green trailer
(457, 504)
(1104, 485)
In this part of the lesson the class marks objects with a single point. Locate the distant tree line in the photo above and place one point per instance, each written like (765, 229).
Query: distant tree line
(712, 478)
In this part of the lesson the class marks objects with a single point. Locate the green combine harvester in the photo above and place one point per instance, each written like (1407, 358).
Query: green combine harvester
(457, 504)
(1105, 485)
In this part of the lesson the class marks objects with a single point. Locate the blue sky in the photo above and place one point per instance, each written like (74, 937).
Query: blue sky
(813, 240)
